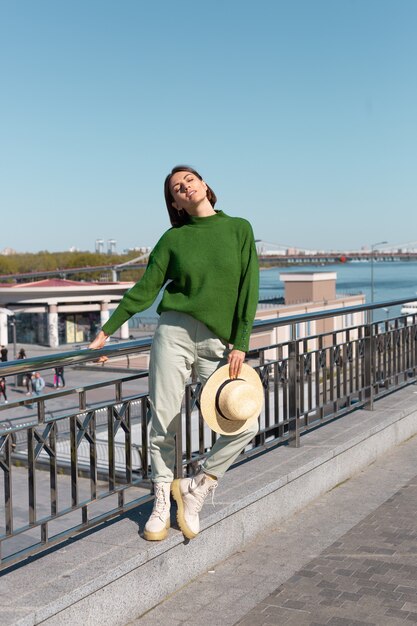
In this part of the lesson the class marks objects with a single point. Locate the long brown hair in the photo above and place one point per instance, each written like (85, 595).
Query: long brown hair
(178, 218)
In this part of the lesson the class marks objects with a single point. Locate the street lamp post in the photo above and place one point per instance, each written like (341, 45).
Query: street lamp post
(373, 245)
(13, 325)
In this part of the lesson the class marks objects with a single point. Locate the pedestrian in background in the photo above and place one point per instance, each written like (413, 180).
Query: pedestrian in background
(59, 377)
(21, 377)
(209, 263)
(38, 383)
(28, 378)
(3, 353)
(3, 389)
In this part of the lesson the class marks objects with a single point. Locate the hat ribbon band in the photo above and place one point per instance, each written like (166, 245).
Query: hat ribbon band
(220, 389)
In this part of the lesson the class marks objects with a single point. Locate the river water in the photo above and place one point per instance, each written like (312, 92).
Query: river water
(392, 281)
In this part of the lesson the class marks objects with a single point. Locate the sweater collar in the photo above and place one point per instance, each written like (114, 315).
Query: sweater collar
(205, 220)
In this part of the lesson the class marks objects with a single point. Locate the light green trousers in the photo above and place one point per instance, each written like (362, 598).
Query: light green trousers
(180, 343)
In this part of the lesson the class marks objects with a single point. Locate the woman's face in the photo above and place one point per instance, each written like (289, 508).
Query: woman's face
(187, 190)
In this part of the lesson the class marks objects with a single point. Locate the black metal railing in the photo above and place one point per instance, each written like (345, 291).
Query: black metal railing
(81, 454)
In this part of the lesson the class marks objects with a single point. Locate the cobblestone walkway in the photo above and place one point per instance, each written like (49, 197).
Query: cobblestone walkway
(347, 559)
(367, 577)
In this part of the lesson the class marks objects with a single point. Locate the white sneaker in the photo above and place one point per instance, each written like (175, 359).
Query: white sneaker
(156, 528)
(189, 494)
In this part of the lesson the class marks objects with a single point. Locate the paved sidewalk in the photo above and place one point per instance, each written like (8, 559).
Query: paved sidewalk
(347, 559)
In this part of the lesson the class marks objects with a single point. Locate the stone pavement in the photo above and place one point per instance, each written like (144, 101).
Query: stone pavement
(348, 559)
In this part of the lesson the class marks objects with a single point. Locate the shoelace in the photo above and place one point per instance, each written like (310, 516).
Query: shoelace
(200, 497)
(212, 490)
(160, 504)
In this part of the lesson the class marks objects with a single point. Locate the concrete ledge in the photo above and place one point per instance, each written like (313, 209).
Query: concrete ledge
(111, 575)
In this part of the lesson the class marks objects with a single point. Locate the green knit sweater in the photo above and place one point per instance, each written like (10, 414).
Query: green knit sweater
(212, 268)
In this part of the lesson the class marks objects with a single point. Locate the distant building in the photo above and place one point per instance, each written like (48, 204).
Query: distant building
(308, 292)
(55, 311)
(99, 246)
(141, 249)
(111, 246)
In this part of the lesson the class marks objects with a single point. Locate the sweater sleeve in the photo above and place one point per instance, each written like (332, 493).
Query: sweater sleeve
(143, 294)
(248, 292)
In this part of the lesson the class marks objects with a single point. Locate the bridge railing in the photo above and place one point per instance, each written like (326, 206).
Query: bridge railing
(87, 460)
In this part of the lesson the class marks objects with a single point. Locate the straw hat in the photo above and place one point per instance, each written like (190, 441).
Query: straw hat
(230, 405)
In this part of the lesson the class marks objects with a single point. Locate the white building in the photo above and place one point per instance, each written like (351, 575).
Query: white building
(309, 292)
(55, 311)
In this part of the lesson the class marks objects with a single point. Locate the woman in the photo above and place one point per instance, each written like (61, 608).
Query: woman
(59, 380)
(210, 302)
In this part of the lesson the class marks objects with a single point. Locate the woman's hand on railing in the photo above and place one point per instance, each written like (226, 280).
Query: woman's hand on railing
(99, 342)
(235, 359)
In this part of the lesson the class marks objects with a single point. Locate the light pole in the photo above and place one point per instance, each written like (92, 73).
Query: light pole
(373, 245)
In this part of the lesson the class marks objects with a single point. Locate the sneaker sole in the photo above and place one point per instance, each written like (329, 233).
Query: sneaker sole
(157, 536)
(176, 494)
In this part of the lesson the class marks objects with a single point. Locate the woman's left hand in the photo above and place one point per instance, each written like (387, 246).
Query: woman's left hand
(99, 342)
(235, 359)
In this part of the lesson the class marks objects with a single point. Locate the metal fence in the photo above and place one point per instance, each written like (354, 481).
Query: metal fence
(88, 460)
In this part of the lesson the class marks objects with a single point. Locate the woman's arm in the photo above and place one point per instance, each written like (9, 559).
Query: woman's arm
(248, 296)
(246, 303)
(138, 298)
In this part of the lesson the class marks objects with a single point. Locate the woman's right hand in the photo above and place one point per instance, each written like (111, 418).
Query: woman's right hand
(99, 342)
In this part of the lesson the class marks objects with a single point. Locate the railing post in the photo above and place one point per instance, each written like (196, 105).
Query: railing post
(8, 492)
(293, 425)
(260, 437)
(31, 476)
(369, 363)
(145, 418)
(179, 472)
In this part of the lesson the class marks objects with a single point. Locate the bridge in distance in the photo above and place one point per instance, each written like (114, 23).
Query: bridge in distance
(299, 257)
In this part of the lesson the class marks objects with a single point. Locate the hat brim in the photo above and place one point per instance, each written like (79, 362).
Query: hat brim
(212, 417)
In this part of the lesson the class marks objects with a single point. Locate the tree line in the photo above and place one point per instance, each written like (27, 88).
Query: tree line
(45, 261)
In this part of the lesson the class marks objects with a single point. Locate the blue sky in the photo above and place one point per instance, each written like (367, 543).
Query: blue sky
(300, 114)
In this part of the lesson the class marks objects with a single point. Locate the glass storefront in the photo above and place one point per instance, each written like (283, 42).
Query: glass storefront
(30, 328)
(72, 328)
(77, 327)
